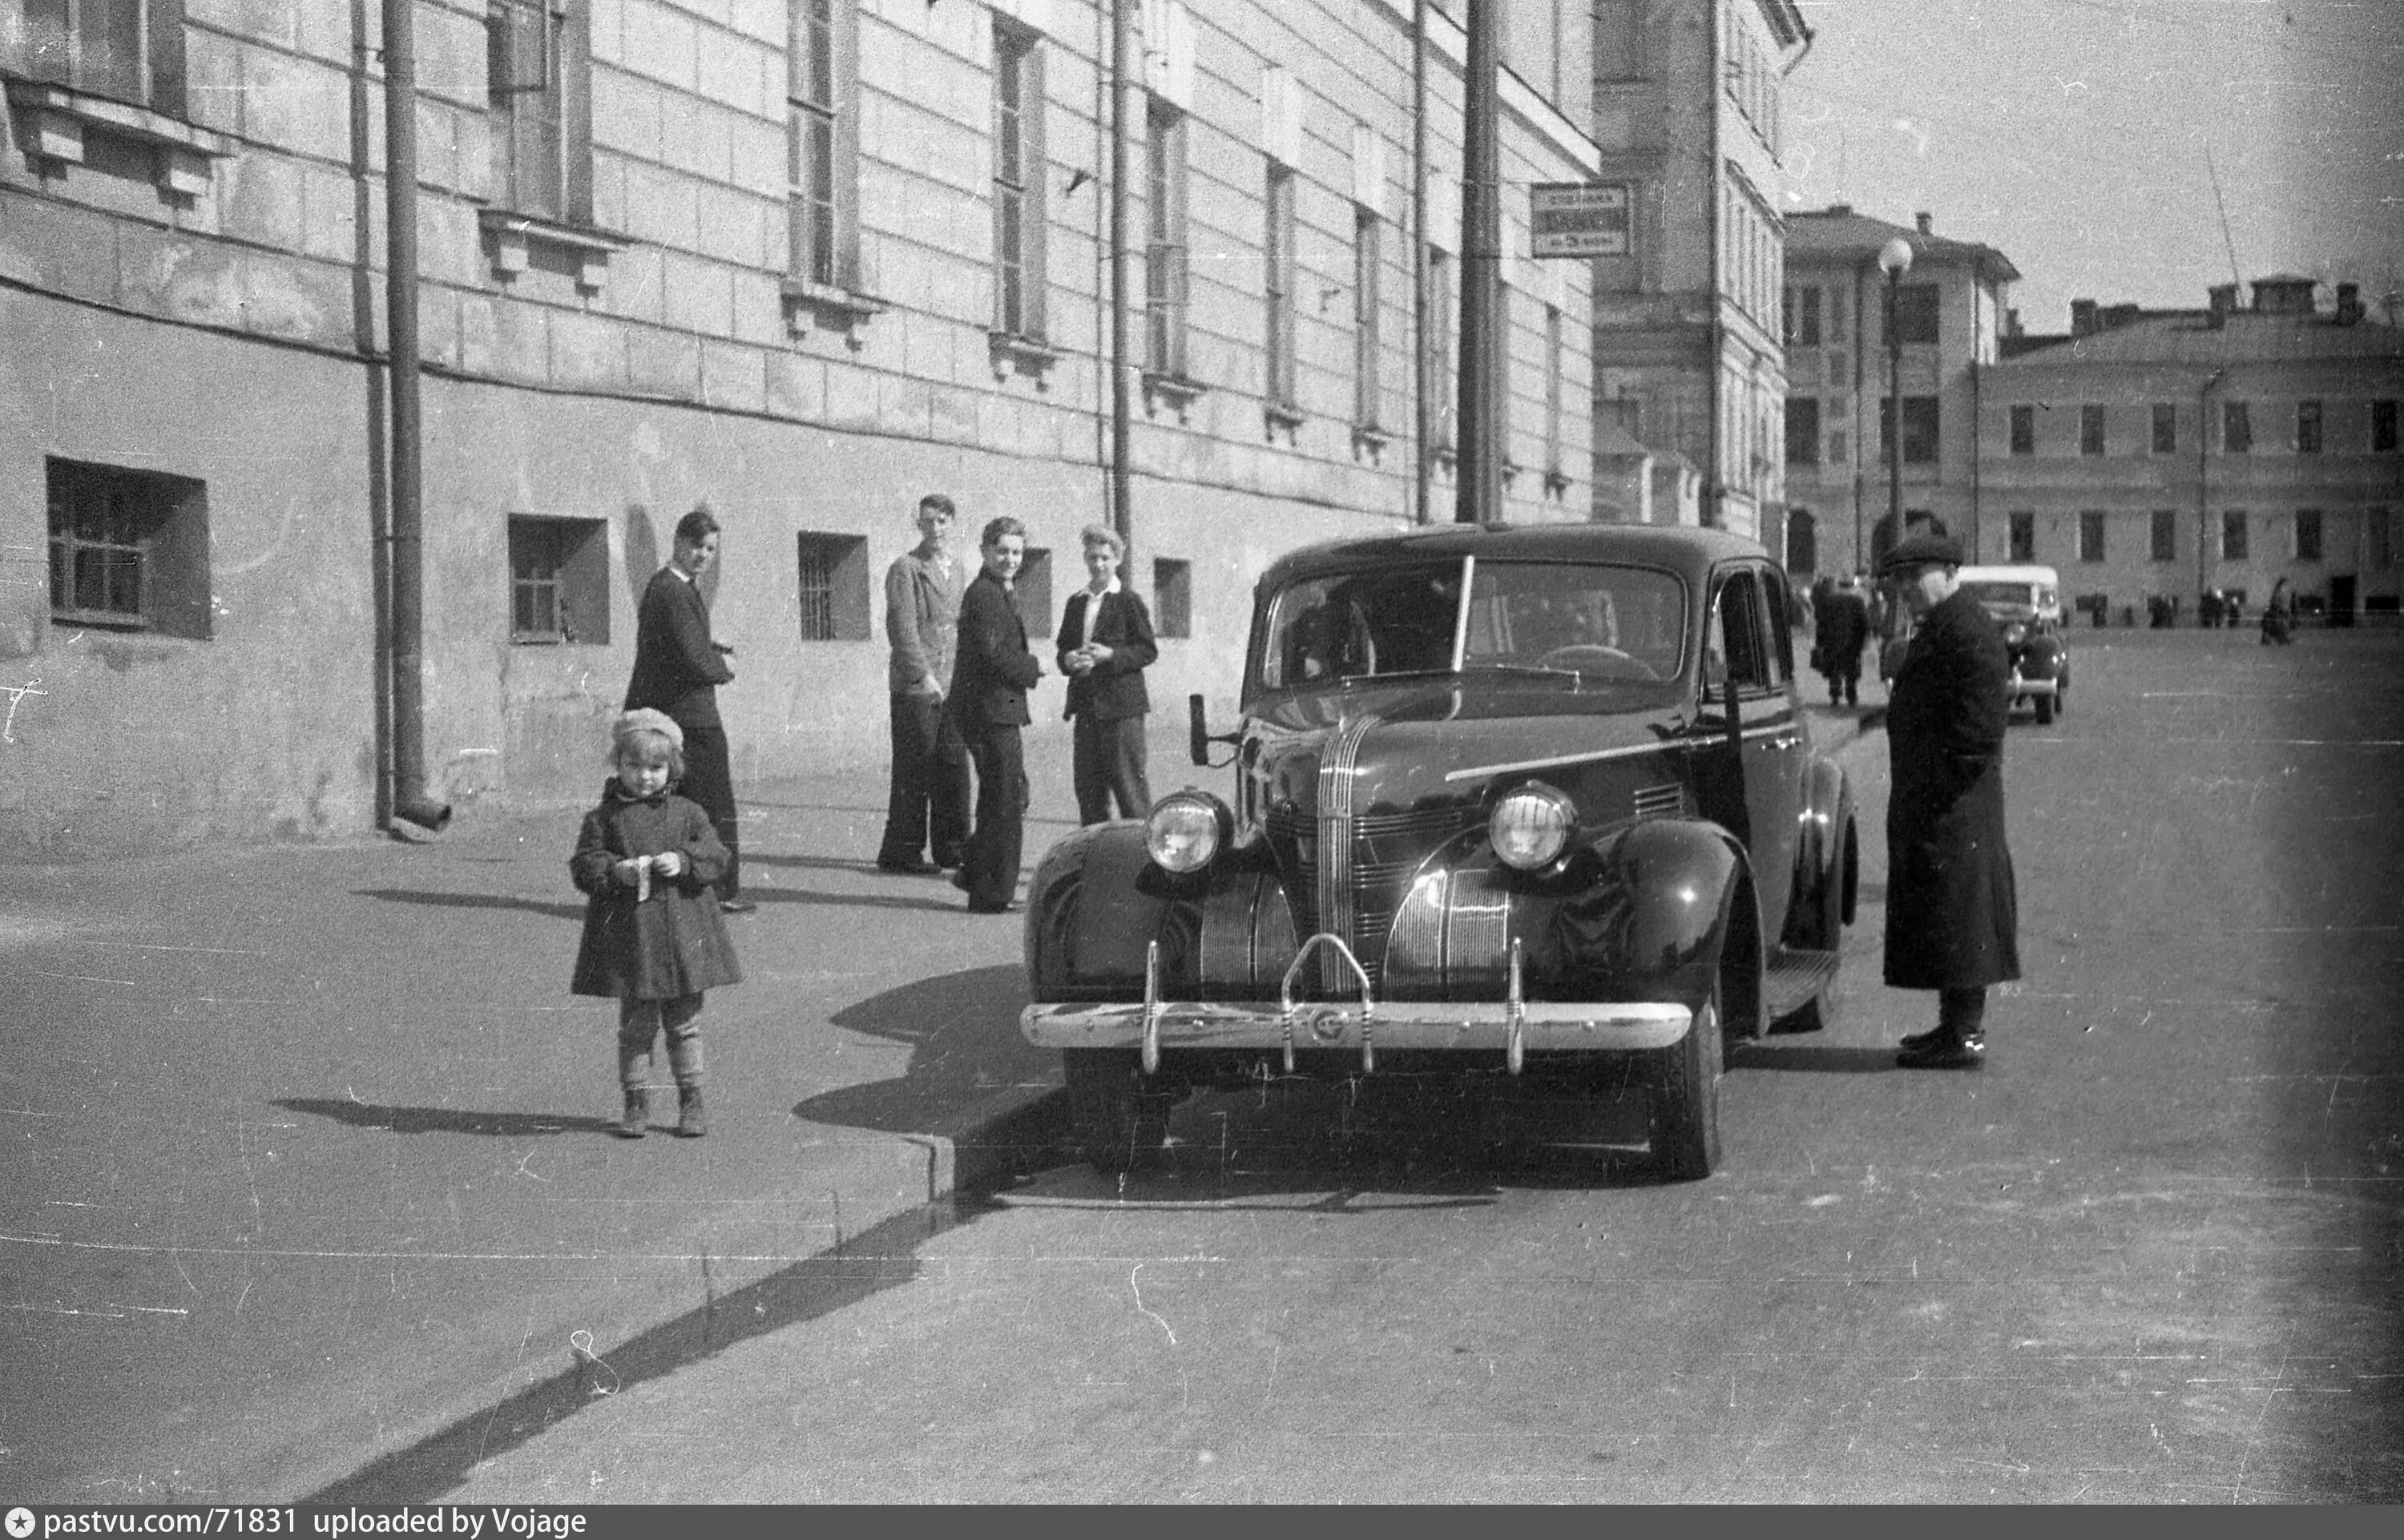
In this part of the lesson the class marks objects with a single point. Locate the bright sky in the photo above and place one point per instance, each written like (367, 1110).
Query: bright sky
(2073, 135)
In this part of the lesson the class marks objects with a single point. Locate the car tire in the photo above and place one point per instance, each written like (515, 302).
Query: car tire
(1820, 1013)
(2044, 711)
(1119, 1115)
(1685, 1083)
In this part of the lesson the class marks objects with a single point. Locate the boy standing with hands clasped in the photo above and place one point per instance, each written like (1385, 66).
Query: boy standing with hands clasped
(1105, 644)
(650, 861)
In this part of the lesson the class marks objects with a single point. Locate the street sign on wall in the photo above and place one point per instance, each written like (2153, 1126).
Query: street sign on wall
(1579, 220)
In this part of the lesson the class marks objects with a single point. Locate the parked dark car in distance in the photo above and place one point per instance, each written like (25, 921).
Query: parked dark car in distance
(1508, 801)
(2026, 603)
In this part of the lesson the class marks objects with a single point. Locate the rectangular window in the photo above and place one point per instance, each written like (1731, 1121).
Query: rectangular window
(1439, 349)
(833, 588)
(1916, 312)
(1368, 310)
(538, 89)
(1618, 51)
(1802, 430)
(1019, 216)
(559, 582)
(2024, 537)
(1278, 277)
(1172, 598)
(2023, 430)
(1163, 258)
(129, 50)
(2165, 534)
(129, 549)
(2308, 427)
(2379, 538)
(2090, 535)
(2091, 429)
(1802, 316)
(822, 147)
(1033, 593)
(2236, 428)
(2383, 428)
(1920, 424)
(2165, 428)
(2232, 535)
(2308, 534)
(1839, 447)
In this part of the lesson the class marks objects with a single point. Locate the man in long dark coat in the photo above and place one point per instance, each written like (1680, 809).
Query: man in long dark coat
(678, 669)
(988, 702)
(1952, 922)
(1843, 618)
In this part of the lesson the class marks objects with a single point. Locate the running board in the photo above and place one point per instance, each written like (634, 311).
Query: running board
(1795, 975)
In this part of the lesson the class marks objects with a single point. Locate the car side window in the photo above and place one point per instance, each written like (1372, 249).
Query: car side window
(1779, 654)
(1735, 643)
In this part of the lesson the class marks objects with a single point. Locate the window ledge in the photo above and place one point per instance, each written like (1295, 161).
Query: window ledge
(1020, 355)
(511, 233)
(809, 304)
(59, 116)
(1278, 417)
(1557, 482)
(1175, 389)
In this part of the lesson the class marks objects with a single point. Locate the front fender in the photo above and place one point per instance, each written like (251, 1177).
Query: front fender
(1640, 913)
(1823, 889)
(1096, 903)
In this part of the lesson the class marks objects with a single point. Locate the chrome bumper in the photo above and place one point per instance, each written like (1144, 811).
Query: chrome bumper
(2037, 684)
(1511, 1025)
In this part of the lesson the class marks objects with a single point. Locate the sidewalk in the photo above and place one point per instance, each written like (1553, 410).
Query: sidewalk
(311, 1153)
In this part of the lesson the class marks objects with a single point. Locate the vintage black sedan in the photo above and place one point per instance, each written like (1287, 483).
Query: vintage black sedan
(2026, 605)
(1530, 802)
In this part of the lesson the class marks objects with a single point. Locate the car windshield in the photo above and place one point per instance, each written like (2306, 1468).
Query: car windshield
(2004, 596)
(1593, 620)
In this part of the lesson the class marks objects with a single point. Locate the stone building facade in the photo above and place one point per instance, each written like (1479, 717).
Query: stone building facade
(1688, 357)
(802, 260)
(2156, 456)
(1950, 310)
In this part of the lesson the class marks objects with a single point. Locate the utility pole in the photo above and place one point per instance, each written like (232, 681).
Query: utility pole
(1479, 493)
(1121, 411)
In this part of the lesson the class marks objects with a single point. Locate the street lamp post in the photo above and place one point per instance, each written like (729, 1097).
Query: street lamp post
(1895, 261)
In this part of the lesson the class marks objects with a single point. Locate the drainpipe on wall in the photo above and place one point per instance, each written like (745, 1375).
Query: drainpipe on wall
(1421, 426)
(1121, 514)
(1478, 499)
(2203, 486)
(405, 611)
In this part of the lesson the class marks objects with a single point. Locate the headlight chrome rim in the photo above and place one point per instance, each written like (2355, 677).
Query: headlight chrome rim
(1186, 830)
(1530, 826)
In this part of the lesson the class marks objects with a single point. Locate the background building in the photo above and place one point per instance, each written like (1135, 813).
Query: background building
(803, 261)
(2161, 454)
(1950, 307)
(1687, 358)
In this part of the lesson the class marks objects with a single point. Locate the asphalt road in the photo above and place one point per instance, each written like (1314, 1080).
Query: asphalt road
(2150, 1255)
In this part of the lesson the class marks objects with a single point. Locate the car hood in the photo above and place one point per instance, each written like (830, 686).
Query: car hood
(1431, 744)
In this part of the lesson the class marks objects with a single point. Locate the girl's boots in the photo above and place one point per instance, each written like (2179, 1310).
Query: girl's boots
(684, 1060)
(632, 1069)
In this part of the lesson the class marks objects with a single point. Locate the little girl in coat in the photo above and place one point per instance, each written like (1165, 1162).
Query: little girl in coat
(654, 939)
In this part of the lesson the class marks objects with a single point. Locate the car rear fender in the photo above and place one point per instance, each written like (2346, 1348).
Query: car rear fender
(1820, 909)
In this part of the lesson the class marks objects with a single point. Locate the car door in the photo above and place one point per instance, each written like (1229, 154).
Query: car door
(1753, 784)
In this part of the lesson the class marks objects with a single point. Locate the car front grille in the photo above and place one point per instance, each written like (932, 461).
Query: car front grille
(1385, 848)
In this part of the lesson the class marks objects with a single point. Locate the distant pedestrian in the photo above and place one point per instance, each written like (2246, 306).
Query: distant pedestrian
(1105, 645)
(678, 670)
(2279, 616)
(927, 800)
(653, 938)
(988, 703)
(1952, 918)
(1844, 619)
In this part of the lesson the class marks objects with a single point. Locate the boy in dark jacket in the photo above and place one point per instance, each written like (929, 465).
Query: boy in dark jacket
(988, 701)
(1105, 645)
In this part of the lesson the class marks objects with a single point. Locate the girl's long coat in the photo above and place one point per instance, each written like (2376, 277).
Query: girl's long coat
(671, 943)
(1952, 913)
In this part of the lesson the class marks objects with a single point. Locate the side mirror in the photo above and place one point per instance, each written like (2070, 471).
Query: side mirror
(1199, 737)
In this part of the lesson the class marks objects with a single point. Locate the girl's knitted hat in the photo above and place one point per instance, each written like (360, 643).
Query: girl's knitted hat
(646, 719)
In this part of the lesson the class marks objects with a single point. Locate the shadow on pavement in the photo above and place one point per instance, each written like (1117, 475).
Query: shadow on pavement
(475, 901)
(1799, 1059)
(841, 901)
(874, 1261)
(445, 1120)
(962, 1030)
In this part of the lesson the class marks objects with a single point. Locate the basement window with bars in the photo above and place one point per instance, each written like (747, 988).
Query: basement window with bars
(129, 549)
(833, 588)
(559, 582)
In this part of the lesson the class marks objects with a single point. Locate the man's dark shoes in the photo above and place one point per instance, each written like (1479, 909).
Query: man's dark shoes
(960, 879)
(912, 867)
(1943, 1049)
(976, 909)
(735, 906)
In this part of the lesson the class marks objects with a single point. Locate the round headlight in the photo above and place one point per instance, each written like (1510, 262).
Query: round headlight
(1184, 831)
(2015, 634)
(1532, 826)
